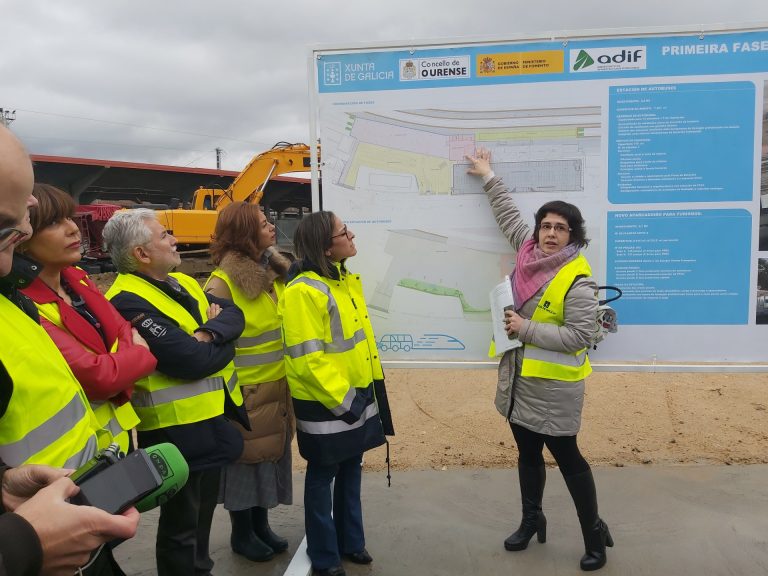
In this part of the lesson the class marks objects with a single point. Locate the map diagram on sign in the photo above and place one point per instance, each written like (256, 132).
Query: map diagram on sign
(423, 150)
(431, 245)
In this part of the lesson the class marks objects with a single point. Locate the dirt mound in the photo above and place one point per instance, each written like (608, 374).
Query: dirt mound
(446, 419)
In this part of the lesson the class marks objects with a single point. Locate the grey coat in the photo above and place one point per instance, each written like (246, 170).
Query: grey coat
(543, 405)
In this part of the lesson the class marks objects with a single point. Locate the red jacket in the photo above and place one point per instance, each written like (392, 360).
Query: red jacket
(103, 374)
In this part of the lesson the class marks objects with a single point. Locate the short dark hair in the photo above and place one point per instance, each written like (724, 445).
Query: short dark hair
(313, 237)
(571, 213)
(53, 205)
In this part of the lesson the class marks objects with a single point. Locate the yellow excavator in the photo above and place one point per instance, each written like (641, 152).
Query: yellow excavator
(194, 228)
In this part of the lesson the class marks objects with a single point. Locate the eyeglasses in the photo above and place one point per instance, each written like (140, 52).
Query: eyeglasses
(11, 237)
(344, 232)
(559, 228)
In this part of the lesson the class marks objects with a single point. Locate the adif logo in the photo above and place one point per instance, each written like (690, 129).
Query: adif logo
(332, 73)
(608, 59)
(545, 307)
(583, 60)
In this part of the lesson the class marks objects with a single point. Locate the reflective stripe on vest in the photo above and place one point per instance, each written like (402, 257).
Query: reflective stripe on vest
(243, 342)
(541, 363)
(40, 437)
(114, 427)
(331, 358)
(146, 399)
(48, 419)
(336, 426)
(117, 420)
(88, 451)
(227, 374)
(338, 343)
(259, 354)
(249, 360)
(570, 360)
(160, 400)
(346, 403)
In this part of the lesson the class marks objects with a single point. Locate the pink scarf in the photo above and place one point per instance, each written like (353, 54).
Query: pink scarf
(534, 268)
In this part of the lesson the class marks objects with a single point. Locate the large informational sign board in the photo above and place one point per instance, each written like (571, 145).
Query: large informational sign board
(659, 138)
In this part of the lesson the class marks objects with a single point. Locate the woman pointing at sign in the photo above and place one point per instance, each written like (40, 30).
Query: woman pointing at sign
(541, 385)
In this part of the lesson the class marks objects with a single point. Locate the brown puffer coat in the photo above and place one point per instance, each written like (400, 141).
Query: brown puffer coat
(268, 404)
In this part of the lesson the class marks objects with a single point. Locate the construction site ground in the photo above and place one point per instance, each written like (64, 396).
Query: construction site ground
(679, 461)
(446, 419)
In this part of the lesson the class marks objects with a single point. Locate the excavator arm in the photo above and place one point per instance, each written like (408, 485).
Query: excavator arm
(194, 228)
(282, 158)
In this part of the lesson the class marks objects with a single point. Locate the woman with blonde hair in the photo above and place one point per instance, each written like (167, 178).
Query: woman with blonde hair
(250, 272)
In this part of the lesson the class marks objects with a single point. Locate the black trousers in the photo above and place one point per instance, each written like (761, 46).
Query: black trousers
(185, 527)
(103, 564)
(531, 444)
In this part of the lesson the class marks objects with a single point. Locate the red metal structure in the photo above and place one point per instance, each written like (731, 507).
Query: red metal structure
(90, 219)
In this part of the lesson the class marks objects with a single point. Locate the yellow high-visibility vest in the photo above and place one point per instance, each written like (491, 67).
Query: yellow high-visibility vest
(159, 400)
(259, 355)
(542, 363)
(326, 362)
(119, 420)
(48, 419)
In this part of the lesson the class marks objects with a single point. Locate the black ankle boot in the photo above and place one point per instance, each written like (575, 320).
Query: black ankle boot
(532, 480)
(593, 529)
(595, 541)
(244, 541)
(260, 519)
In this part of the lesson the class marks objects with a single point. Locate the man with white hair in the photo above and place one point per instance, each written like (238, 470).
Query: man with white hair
(44, 417)
(192, 335)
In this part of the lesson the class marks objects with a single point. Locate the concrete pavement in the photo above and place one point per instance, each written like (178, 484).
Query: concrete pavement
(702, 520)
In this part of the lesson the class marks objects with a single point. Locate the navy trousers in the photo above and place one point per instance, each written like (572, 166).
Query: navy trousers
(331, 535)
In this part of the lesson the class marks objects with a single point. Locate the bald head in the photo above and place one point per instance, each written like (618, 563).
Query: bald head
(16, 181)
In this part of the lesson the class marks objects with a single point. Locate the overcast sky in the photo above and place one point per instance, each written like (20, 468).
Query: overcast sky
(168, 81)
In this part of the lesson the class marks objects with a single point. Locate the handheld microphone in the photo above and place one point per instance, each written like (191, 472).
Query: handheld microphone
(172, 468)
(145, 478)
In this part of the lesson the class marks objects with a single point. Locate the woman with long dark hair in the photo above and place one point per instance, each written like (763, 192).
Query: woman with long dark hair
(337, 386)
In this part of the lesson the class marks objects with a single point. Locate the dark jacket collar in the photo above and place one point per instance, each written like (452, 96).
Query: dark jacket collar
(300, 266)
(23, 271)
(175, 291)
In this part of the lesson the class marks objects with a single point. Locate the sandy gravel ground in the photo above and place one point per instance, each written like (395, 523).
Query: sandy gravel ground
(446, 419)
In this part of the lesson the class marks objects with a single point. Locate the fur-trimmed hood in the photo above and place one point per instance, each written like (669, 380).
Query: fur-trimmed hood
(253, 277)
